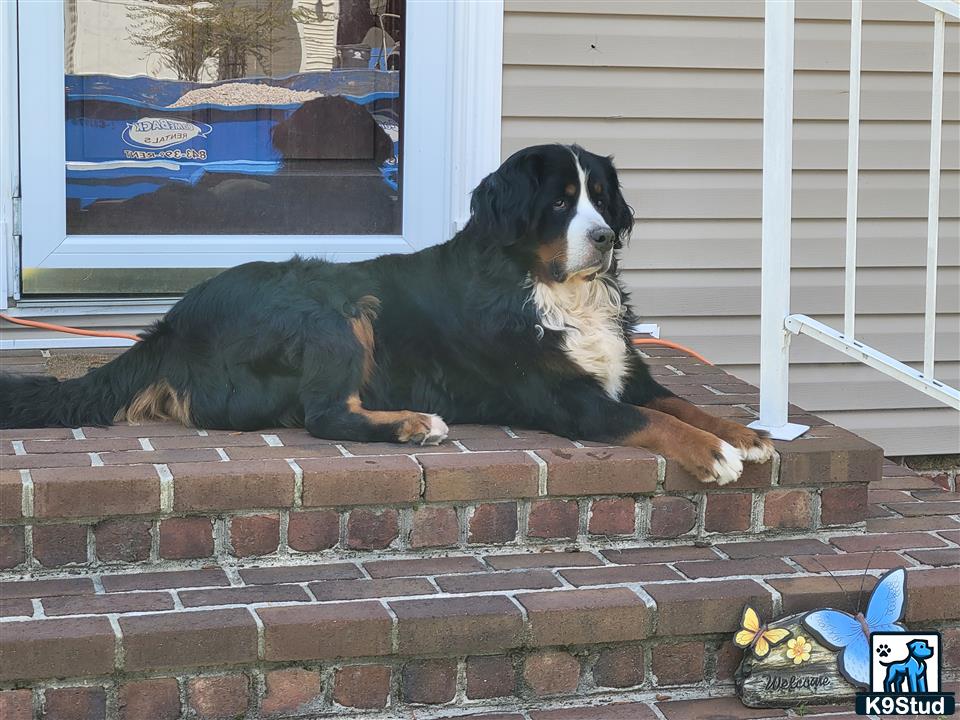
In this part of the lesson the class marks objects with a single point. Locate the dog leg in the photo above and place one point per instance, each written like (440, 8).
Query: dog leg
(751, 445)
(349, 420)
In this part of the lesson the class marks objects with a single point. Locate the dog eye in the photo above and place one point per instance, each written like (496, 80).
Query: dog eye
(599, 203)
(560, 204)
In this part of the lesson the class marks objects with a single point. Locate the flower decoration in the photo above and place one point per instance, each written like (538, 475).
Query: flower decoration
(798, 649)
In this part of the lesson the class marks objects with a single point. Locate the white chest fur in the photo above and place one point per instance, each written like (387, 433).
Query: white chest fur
(589, 314)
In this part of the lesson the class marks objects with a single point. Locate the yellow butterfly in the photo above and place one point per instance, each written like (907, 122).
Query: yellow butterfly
(758, 637)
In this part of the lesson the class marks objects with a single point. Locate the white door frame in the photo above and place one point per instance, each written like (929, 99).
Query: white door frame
(9, 150)
(451, 140)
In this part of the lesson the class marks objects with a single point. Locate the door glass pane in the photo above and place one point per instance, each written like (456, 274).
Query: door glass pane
(233, 116)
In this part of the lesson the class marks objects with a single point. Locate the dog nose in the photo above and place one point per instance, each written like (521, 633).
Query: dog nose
(602, 237)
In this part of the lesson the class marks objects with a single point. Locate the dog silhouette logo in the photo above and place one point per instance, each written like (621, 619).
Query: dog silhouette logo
(905, 662)
(905, 671)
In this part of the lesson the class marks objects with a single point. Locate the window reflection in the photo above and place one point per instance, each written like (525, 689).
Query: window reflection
(233, 116)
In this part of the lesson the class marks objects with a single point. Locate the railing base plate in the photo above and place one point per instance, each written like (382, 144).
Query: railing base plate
(790, 431)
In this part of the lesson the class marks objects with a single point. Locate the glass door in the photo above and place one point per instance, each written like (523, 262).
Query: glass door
(162, 140)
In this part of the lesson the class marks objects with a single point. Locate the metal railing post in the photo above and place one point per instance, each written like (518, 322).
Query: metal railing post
(933, 199)
(777, 217)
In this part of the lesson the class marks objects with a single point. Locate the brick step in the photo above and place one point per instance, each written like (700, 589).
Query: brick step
(455, 631)
(156, 494)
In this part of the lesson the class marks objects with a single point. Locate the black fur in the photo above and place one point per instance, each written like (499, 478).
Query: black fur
(270, 344)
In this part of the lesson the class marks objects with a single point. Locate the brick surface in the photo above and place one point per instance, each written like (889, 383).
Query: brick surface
(787, 509)
(728, 512)
(254, 534)
(11, 487)
(362, 686)
(320, 632)
(898, 541)
(372, 529)
(932, 595)
(235, 485)
(572, 617)
(542, 560)
(95, 491)
(345, 481)
(429, 681)
(643, 556)
(706, 607)
(613, 711)
(15, 608)
(600, 471)
(361, 589)
(123, 540)
(678, 480)
(243, 595)
(619, 574)
(493, 523)
(551, 672)
(619, 667)
(300, 573)
(848, 561)
(457, 625)
(110, 603)
(154, 699)
(81, 446)
(490, 676)
(809, 593)
(678, 663)
(844, 459)
(16, 705)
(313, 530)
(188, 639)
(729, 568)
(937, 558)
(774, 548)
(218, 697)
(422, 566)
(671, 517)
(45, 588)
(728, 657)
(163, 580)
(489, 582)
(723, 707)
(434, 527)
(133, 457)
(291, 691)
(480, 476)
(12, 548)
(186, 538)
(56, 545)
(612, 516)
(75, 703)
(554, 519)
(39, 649)
(224, 439)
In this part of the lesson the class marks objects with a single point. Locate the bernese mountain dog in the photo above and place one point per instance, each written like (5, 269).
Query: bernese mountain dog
(520, 319)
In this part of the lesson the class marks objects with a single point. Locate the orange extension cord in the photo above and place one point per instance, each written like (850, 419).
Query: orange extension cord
(127, 336)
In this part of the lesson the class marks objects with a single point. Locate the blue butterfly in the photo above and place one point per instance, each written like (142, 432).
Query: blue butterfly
(851, 634)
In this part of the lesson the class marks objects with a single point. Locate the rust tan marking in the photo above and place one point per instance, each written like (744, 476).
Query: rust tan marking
(368, 307)
(547, 254)
(159, 401)
(702, 454)
(570, 190)
(752, 446)
(410, 425)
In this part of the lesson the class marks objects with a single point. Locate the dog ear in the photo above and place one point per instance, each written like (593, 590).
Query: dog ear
(502, 206)
(621, 213)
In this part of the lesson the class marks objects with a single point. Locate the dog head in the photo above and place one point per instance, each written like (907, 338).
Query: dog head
(558, 209)
(920, 649)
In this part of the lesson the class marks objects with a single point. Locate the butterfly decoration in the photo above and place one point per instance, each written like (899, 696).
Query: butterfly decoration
(850, 634)
(756, 636)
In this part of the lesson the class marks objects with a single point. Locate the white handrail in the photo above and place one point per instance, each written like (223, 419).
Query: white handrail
(777, 324)
(933, 199)
(853, 173)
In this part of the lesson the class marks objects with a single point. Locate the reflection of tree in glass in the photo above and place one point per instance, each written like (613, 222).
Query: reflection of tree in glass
(185, 35)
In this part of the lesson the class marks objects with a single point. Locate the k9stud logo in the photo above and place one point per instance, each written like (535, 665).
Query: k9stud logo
(905, 676)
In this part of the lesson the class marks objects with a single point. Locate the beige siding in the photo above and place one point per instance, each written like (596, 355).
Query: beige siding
(673, 88)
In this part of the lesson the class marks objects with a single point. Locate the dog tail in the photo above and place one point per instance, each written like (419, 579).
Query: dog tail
(129, 387)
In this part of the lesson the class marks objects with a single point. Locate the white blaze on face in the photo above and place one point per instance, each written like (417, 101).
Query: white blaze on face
(581, 253)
